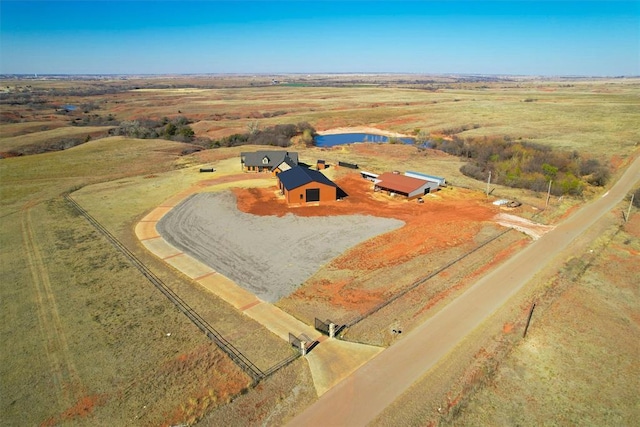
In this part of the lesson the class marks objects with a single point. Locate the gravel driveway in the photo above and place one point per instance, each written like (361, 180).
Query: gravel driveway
(267, 255)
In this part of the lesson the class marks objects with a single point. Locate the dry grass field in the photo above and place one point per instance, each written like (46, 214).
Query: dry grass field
(89, 341)
(579, 365)
(47, 137)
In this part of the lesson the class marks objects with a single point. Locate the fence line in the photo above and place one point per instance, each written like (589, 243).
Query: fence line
(240, 359)
(422, 280)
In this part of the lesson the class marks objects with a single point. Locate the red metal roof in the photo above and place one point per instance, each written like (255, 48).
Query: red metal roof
(399, 183)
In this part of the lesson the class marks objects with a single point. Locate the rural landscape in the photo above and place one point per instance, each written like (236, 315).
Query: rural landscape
(151, 278)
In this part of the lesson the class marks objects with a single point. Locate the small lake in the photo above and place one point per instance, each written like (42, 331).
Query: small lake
(350, 138)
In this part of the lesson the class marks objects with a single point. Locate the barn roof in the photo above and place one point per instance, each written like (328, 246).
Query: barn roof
(425, 176)
(299, 176)
(399, 183)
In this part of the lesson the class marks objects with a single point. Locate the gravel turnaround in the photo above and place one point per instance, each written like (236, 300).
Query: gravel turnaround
(267, 255)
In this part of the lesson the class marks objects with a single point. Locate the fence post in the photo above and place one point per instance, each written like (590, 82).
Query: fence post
(332, 330)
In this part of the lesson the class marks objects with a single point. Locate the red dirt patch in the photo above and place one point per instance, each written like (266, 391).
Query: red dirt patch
(339, 294)
(633, 225)
(207, 391)
(507, 328)
(501, 256)
(82, 408)
(458, 213)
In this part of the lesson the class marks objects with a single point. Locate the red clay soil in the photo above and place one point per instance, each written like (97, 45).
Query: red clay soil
(205, 391)
(81, 409)
(633, 225)
(452, 218)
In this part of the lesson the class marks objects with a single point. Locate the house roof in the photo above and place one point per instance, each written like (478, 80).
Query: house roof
(288, 161)
(299, 176)
(399, 183)
(274, 158)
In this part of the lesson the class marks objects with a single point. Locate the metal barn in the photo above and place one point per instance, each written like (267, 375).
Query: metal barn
(403, 185)
(301, 185)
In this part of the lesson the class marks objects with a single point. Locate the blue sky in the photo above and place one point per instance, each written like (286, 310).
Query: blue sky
(587, 38)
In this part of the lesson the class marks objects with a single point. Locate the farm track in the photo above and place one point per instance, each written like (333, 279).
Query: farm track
(240, 359)
(64, 373)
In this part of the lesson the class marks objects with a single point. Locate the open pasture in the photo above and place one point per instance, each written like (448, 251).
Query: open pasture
(584, 118)
(598, 116)
(46, 138)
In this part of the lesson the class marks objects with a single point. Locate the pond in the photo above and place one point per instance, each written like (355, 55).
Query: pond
(350, 138)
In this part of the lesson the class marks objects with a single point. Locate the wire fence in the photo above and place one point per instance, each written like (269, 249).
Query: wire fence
(236, 355)
(422, 280)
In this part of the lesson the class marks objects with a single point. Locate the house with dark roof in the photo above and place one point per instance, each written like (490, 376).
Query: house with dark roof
(394, 183)
(273, 161)
(301, 185)
(285, 165)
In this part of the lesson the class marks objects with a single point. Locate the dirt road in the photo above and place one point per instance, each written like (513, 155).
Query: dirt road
(361, 397)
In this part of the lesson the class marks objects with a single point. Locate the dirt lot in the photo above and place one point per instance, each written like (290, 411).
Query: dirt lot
(371, 272)
(267, 255)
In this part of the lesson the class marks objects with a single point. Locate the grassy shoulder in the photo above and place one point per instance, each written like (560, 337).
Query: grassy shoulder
(579, 363)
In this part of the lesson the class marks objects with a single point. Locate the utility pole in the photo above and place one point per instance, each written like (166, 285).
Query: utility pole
(626, 218)
(548, 195)
(529, 320)
(488, 182)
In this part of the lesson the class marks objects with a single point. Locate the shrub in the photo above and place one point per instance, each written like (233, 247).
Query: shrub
(176, 129)
(278, 135)
(525, 164)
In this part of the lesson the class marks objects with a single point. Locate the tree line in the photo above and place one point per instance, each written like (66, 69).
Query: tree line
(524, 164)
(278, 135)
(176, 129)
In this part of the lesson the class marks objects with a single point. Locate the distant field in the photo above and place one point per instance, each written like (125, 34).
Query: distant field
(42, 138)
(8, 130)
(32, 179)
(598, 116)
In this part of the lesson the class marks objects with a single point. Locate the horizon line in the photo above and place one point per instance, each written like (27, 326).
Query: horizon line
(300, 73)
